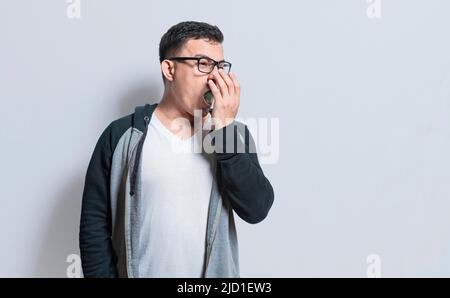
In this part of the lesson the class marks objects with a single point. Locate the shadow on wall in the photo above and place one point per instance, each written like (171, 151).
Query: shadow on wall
(60, 238)
(148, 92)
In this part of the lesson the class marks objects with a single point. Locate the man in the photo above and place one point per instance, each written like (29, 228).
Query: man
(152, 207)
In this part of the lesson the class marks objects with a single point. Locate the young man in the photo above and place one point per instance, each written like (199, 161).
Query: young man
(154, 207)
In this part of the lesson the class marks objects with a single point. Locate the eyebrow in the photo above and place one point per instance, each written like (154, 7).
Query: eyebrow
(206, 56)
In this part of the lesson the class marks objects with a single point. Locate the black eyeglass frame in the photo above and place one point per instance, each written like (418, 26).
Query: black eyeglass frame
(216, 63)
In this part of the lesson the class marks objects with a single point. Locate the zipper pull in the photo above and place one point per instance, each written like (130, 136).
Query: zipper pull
(146, 119)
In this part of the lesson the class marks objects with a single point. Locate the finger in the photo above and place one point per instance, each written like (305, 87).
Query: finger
(228, 81)
(221, 84)
(237, 86)
(214, 90)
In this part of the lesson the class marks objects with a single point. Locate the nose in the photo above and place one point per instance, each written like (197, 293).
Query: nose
(215, 71)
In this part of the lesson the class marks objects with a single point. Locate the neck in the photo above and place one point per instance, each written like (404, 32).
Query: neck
(169, 109)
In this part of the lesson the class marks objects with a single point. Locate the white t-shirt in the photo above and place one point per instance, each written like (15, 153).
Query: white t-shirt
(176, 186)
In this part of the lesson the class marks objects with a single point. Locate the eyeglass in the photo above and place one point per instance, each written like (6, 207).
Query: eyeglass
(206, 64)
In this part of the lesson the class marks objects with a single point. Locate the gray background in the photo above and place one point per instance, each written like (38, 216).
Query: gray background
(363, 106)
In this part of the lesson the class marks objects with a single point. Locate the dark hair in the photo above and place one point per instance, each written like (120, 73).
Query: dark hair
(179, 34)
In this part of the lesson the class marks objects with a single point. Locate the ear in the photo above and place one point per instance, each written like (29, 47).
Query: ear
(168, 69)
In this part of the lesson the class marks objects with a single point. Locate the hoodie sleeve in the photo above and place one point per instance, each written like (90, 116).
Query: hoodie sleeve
(97, 254)
(240, 177)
